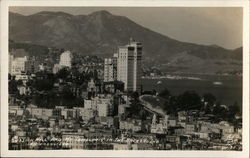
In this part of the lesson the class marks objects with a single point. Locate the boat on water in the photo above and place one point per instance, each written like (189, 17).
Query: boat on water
(159, 82)
(217, 83)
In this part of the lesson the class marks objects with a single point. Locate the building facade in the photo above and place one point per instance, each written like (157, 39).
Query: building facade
(17, 65)
(66, 59)
(108, 70)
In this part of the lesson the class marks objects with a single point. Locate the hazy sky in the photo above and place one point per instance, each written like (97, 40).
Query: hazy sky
(221, 26)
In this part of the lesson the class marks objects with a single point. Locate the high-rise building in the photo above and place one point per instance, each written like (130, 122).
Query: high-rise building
(115, 57)
(129, 65)
(66, 59)
(108, 70)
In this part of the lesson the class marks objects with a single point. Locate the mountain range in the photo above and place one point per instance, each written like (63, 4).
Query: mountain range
(100, 33)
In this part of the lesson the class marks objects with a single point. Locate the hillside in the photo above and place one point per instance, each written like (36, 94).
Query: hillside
(100, 33)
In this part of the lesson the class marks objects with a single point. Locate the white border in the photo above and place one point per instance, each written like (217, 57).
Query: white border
(128, 3)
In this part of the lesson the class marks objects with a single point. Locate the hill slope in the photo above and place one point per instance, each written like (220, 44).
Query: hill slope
(100, 33)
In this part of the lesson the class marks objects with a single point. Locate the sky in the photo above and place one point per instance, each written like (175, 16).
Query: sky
(202, 25)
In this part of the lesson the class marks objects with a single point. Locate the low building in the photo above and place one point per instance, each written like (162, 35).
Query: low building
(56, 68)
(104, 107)
(161, 127)
(182, 116)
(87, 114)
(109, 121)
(202, 135)
(90, 103)
(189, 128)
(172, 139)
(42, 113)
(172, 122)
(23, 90)
(68, 113)
(131, 125)
(177, 130)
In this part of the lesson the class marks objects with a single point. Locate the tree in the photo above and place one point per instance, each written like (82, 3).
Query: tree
(12, 87)
(19, 82)
(164, 94)
(44, 84)
(233, 110)
(219, 111)
(189, 100)
(29, 83)
(63, 73)
(209, 98)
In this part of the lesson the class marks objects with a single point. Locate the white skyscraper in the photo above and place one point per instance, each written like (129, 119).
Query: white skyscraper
(129, 65)
(65, 59)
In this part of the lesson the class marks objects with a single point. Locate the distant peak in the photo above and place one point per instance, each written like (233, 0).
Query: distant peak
(214, 45)
(48, 13)
(16, 14)
(101, 12)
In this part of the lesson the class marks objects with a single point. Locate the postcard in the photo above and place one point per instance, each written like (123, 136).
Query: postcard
(124, 78)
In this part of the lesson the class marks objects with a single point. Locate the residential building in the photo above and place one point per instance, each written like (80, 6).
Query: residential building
(189, 128)
(87, 103)
(66, 59)
(17, 64)
(87, 114)
(31, 65)
(133, 125)
(56, 68)
(103, 109)
(68, 113)
(115, 57)
(108, 70)
(42, 112)
(160, 127)
(23, 90)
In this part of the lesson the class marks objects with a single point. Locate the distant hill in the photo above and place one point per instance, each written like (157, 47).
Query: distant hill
(101, 32)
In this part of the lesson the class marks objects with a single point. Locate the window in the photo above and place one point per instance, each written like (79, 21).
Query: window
(139, 48)
(131, 48)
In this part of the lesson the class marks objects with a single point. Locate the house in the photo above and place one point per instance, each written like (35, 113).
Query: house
(182, 116)
(23, 90)
(172, 139)
(42, 113)
(68, 113)
(172, 121)
(189, 128)
(202, 135)
(131, 124)
(176, 130)
(160, 127)
(109, 121)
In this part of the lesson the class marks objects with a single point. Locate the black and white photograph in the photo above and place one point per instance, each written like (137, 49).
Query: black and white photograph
(84, 78)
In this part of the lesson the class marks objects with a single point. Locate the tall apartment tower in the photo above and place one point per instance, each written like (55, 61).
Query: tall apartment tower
(108, 70)
(129, 65)
(65, 59)
(114, 59)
